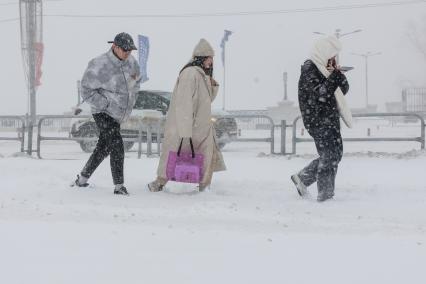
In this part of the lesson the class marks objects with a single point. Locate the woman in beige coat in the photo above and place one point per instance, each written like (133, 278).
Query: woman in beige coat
(189, 116)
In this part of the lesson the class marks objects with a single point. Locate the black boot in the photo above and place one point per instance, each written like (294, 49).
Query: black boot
(78, 183)
(121, 190)
(324, 196)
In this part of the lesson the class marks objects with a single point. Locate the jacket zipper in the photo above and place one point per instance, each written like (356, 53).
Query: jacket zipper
(128, 93)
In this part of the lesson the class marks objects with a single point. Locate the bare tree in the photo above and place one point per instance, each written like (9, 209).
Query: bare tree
(416, 33)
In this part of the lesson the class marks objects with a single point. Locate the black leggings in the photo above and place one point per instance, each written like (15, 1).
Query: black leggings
(110, 143)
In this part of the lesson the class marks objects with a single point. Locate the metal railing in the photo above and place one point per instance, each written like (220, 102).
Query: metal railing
(20, 130)
(270, 139)
(148, 127)
(155, 128)
(283, 126)
(420, 139)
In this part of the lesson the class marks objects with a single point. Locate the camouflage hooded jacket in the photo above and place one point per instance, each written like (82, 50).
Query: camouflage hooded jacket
(110, 85)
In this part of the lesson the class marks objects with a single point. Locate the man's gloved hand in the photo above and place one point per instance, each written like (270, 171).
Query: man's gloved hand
(76, 110)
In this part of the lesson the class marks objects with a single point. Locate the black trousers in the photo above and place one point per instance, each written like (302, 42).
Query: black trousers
(110, 143)
(324, 169)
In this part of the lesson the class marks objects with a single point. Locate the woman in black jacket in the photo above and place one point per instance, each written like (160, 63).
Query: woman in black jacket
(319, 83)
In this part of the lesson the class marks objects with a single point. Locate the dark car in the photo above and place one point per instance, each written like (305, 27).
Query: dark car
(148, 101)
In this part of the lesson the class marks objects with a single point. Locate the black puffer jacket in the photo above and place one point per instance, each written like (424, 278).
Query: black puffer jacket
(316, 98)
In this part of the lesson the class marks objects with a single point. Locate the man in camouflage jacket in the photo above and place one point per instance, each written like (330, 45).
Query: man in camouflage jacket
(110, 84)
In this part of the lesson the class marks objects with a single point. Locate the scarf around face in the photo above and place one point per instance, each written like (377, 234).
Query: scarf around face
(323, 50)
(198, 61)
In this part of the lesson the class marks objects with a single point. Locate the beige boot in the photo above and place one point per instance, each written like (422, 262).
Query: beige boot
(157, 185)
(202, 187)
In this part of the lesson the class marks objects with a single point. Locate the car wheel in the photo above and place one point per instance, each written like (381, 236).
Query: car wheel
(88, 146)
(128, 145)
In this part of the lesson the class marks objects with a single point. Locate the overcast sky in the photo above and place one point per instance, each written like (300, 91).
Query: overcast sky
(259, 51)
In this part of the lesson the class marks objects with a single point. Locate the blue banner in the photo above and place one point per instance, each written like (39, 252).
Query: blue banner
(143, 56)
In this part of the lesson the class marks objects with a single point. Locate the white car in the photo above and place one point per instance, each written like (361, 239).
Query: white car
(149, 105)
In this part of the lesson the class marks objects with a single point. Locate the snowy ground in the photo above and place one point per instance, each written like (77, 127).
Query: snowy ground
(251, 227)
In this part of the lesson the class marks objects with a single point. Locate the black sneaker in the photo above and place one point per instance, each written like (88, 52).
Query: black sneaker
(301, 188)
(324, 196)
(78, 184)
(121, 191)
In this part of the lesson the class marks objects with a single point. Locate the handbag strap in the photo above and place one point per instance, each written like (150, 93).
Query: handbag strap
(192, 148)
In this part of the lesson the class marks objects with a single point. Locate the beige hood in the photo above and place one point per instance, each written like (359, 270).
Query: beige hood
(203, 48)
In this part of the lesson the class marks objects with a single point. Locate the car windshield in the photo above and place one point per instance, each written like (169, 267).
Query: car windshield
(155, 100)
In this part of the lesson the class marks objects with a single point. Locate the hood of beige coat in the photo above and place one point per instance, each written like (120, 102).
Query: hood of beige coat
(203, 48)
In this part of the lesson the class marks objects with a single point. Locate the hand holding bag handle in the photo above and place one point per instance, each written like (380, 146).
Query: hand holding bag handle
(192, 148)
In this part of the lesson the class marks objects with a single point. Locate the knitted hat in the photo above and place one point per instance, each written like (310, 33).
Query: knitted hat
(203, 48)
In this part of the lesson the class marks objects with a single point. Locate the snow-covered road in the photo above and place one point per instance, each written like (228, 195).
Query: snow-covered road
(251, 227)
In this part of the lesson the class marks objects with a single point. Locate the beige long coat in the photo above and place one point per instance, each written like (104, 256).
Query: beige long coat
(189, 115)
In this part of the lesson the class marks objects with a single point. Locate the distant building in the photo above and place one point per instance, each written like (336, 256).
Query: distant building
(284, 110)
(414, 99)
(394, 106)
(251, 123)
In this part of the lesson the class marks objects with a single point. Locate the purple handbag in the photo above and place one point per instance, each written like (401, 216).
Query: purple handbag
(185, 167)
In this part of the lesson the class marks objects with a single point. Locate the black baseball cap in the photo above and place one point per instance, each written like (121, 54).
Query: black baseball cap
(124, 41)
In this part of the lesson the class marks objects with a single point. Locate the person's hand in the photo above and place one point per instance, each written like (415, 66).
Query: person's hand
(331, 64)
(330, 68)
(136, 77)
(77, 110)
(213, 82)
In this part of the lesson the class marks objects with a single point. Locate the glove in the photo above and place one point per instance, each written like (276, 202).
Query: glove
(77, 110)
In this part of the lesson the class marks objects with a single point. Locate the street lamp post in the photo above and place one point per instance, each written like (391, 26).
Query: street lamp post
(225, 38)
(366, 56)
(31, 18)
(285, 85)
(224, 76)
(338, 34)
